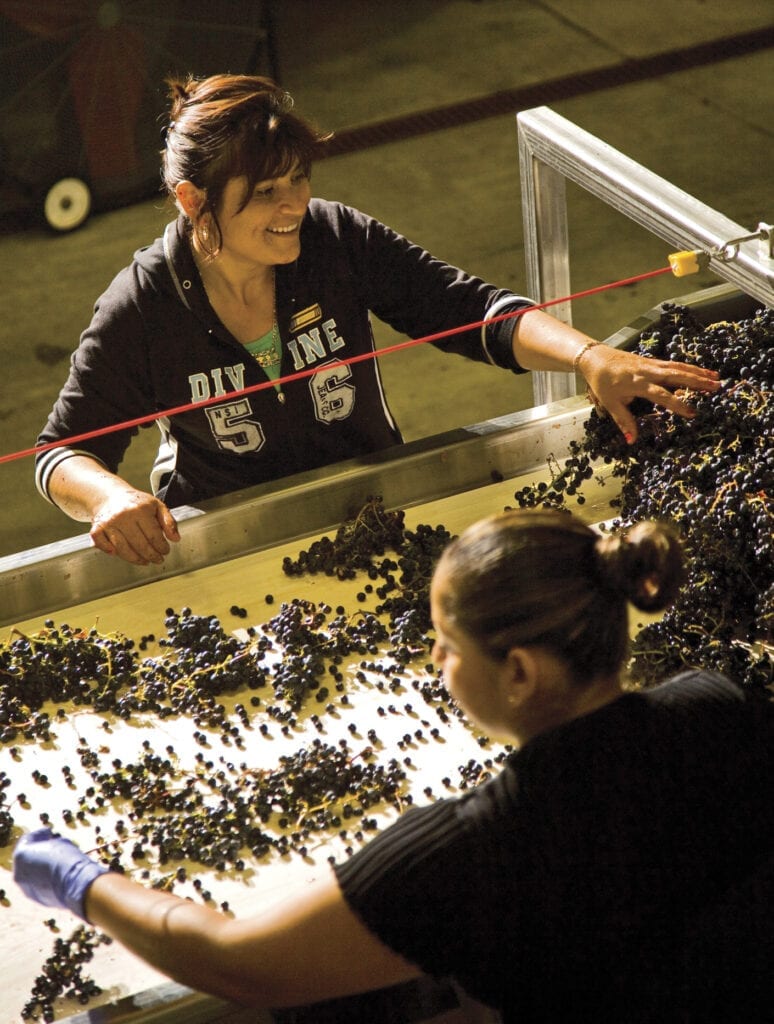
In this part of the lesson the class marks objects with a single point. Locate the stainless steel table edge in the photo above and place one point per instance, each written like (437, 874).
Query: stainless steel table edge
(170, 1003)
(42, 580)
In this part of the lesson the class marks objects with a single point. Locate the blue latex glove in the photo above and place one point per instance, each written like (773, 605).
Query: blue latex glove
(51, 870)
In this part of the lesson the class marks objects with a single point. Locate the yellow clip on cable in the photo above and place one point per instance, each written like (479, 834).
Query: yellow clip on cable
(689, 261)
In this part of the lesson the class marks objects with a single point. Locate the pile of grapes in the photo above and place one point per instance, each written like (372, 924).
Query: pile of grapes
(63, 974)
(218, 813)
(712, 477)
(362, 544)
(372, 532)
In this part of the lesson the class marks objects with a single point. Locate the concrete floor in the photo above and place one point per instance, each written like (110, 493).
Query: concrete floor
(707, 129)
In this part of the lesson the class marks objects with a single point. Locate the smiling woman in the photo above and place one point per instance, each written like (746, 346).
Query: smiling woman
(253, 283)
(232, 141)
(255, 233)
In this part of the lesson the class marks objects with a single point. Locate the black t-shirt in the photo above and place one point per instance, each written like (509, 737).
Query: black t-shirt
(567, 887)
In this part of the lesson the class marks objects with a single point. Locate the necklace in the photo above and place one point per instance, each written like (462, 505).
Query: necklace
(267, 355)
(267, 350)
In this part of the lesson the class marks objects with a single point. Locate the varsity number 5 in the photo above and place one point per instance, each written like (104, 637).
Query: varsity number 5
(333, 397)
(232, 427)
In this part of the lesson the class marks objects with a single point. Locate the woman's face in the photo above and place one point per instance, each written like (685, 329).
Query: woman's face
(267, 230)
(475, 679)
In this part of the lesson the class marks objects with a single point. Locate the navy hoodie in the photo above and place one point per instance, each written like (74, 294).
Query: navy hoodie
(155, 344)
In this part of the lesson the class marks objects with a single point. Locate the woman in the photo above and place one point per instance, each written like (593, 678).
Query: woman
(576, 884)
(256, 281)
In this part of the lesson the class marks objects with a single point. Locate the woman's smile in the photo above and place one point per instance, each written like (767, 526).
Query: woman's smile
(284, 230)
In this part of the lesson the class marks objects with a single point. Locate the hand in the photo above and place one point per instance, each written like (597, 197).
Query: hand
(134, 526)
(51, 870)
(616, 377)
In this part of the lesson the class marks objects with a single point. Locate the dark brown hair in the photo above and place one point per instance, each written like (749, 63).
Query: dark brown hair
(231, 126)
(545, 578)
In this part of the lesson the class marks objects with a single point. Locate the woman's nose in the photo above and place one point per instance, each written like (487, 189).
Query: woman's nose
(292, 199)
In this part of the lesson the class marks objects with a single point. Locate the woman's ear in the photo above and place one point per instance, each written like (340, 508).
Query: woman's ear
(523, 663)
(521, 673)
(189, 198)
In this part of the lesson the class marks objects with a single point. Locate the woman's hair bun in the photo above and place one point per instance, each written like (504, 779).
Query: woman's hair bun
(643, 562)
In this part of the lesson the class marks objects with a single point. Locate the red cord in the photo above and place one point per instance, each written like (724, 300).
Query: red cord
(141, 420)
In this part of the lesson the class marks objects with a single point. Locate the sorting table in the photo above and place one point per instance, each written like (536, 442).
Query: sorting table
(407, 727)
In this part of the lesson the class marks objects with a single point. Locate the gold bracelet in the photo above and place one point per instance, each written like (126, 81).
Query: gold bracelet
(580, 354)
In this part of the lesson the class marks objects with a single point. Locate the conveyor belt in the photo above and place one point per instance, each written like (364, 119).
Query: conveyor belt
(243, 581)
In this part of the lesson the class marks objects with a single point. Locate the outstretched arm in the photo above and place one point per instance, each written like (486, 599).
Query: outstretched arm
(615, 377)
(306, 948)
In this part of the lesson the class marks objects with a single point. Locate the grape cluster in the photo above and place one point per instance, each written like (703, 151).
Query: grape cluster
(6, 817)
(407, 602)
(313, 648)
(370, 533)
(473, 773)
(63, 974)
(361, 544)
(712, 477)
(59, 664)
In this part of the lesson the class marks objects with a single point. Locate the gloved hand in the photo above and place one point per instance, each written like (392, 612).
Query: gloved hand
(51, 870)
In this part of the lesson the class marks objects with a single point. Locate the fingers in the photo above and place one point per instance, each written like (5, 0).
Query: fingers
(137, 542)
(617, 378)
(37, 835)
(128, 544)
(659, 396)
(100, 539)
(168, 523)
(680, 375)
(137, 532)
(626, 422)
(671, 401)
(623, 419)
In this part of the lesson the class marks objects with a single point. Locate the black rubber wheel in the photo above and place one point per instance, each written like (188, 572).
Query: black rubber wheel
(83, 97)
(67, 204)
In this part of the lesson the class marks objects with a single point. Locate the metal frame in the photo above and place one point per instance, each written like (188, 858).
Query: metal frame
(552, 150)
